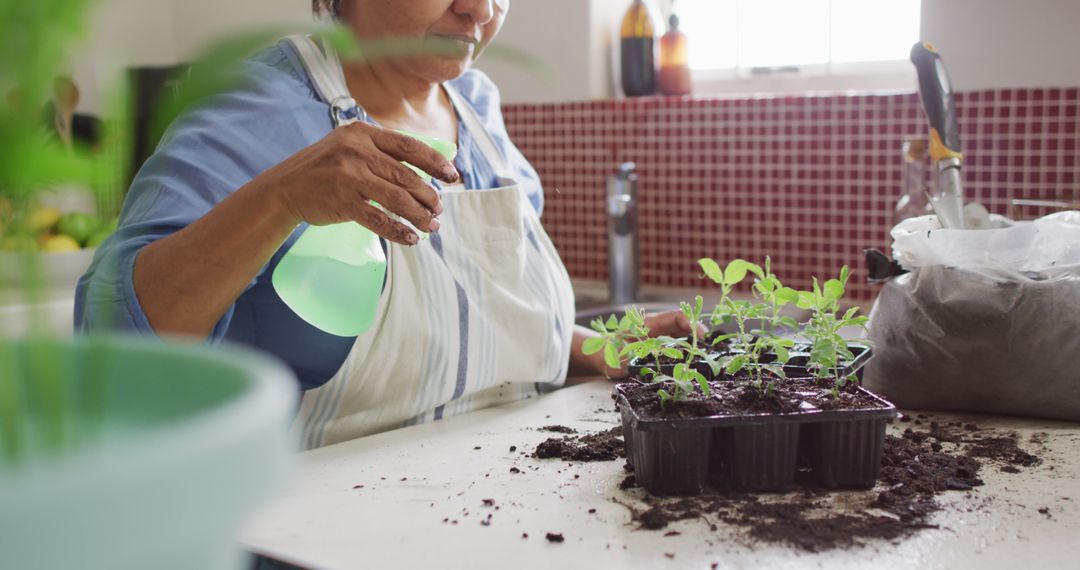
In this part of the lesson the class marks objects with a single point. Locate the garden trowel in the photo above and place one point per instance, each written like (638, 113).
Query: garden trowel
(940, 107)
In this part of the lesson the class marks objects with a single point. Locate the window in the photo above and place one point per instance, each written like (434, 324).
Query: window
(743, 38)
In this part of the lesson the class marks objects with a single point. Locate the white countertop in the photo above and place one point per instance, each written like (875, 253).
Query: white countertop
(416, 477)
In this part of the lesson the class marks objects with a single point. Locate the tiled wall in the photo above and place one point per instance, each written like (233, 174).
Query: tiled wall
(809, 180)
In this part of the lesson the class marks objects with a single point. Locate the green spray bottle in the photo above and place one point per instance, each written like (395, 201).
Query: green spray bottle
(333, 276)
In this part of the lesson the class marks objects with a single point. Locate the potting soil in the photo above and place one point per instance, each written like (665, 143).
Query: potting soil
(916, 470)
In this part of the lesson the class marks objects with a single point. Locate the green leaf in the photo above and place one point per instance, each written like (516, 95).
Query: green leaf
(755, 269)
(735, 364)
(757, 310)
(592, 345)
(782, 354)
(788, 323)
(807, 300)
(712, 270)
(859, 321)
(787, 295)
(721, 338)
(597, 325)
(735, 271)
(699, 378)
(611, 356)
(774, 369)
(664, 396)
(704, 385)
(834, 289)
(672, 353)
(612, 323)
(714, 365)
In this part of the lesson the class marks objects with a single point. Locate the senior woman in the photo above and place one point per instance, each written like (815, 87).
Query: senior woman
(481, 313)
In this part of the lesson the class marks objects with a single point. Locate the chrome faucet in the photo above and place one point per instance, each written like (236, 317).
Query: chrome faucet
(623, 270)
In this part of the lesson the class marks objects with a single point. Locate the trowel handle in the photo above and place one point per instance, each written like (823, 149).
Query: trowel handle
(938, 102)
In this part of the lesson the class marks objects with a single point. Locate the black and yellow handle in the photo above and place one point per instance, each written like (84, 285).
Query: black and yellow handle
(938, 102)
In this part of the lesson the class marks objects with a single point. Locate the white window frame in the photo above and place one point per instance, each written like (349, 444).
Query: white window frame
(883, 76)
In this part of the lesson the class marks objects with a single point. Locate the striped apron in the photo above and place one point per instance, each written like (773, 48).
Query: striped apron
(479, 314)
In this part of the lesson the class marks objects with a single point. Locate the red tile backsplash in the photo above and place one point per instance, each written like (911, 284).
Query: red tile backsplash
(810, 180)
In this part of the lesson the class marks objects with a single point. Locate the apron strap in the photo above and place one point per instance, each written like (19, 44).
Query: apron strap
(324, 69)
(480, 134)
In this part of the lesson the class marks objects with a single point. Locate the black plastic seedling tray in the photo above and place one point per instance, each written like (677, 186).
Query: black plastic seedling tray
(755, 452)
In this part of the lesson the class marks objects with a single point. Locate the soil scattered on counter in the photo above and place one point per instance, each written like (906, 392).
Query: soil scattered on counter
(554, 537)
(603, 446)
(1002, 450)
(912, 473)
(558, 429)
(917, 467)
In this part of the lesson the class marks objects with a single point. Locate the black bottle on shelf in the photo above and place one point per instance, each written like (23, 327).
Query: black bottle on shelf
(638, 51)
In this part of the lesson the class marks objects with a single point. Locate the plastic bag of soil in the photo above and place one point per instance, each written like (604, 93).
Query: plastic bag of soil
(985, 320)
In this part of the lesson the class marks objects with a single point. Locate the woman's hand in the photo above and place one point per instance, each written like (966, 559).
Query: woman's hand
(186, 281)
(671, 323)
(335, 179)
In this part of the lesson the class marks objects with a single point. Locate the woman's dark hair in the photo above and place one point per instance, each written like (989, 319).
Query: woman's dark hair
(322, 7)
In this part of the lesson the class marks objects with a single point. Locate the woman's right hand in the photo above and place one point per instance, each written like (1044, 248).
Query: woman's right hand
(335, 179)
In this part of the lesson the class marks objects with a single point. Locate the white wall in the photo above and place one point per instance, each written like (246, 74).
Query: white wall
(990, 44)
(198, 22)
(129, 33)
(557, 35)
(574, 41)
(120, 34)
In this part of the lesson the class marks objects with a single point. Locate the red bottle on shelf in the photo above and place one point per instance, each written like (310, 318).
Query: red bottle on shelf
(674, 61)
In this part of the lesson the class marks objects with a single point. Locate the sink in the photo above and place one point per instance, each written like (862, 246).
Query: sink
(585, 315)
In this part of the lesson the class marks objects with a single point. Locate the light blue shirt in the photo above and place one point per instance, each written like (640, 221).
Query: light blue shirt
(217, 148)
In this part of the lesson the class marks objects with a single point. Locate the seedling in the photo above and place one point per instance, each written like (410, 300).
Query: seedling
(684, 379)
(629, 337)
(828, 348)
(683, 375)
(749, 345)
(617, 333)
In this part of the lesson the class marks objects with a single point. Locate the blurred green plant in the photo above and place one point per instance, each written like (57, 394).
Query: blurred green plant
(36, 40)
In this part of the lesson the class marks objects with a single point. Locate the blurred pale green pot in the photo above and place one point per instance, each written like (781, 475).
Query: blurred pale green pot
(189, 442)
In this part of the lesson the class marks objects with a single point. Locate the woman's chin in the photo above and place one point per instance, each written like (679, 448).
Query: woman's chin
(438, 70)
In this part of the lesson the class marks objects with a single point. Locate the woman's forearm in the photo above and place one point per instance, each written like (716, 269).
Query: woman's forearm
(187, 281)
